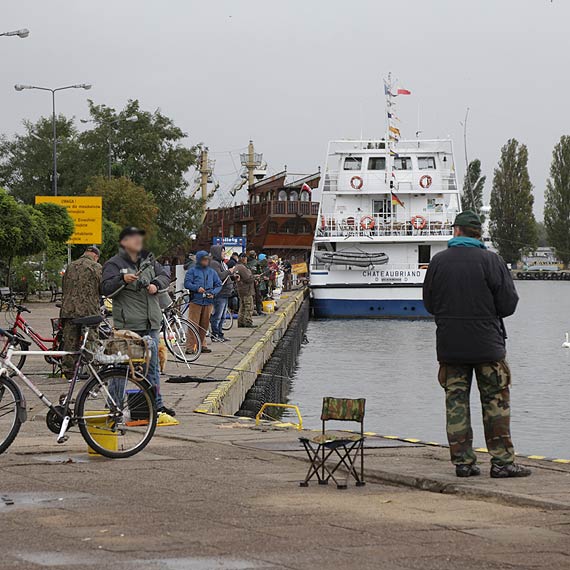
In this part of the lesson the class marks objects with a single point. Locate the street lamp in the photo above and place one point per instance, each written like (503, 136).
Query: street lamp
(19, 87)
(23, 33)
(130, 119)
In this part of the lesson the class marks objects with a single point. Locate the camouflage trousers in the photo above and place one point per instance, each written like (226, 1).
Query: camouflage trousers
(71, 342)
(493, 381)
(245, 313)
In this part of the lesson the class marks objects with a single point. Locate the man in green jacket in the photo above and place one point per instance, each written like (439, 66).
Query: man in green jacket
(132, 278)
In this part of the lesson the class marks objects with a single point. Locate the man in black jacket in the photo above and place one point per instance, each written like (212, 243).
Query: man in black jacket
(469, 290)
(221, 299)
(132, 278)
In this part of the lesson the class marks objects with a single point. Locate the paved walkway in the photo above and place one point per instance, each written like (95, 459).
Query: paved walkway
(215, 492)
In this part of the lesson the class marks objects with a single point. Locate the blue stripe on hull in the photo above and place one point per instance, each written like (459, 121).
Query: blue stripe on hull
(361, 308)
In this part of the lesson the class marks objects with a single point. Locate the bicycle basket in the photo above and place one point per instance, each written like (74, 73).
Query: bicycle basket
(123, 347)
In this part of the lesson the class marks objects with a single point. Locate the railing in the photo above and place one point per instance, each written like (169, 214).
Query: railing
(380, 226)
(264, 209)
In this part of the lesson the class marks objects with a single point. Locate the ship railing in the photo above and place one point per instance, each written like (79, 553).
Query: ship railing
(316, 265)
(366, 226)
(406, 181)
(262, 209)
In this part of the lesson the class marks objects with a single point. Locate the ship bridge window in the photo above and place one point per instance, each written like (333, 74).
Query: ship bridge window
(282, 196)
(403, 163)
(305, 196)
(426, 162)
(293, 196)
(377, 163)
(353, 163)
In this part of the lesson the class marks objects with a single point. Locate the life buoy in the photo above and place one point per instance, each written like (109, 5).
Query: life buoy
(356, 182)
(425, 181)
(367, 223)
(419, 222)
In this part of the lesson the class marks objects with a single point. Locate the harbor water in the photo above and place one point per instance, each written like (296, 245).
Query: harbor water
(392, 364)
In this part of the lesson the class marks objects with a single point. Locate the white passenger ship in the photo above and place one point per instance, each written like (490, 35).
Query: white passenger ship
(387, 206)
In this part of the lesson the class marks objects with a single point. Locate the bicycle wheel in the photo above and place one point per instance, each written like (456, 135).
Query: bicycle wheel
(19, 344)
(116, 414)
(10, 421)
(228, 321)
(182, 339)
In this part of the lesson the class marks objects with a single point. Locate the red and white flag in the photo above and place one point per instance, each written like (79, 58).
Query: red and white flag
(306, 187)
(403, 92)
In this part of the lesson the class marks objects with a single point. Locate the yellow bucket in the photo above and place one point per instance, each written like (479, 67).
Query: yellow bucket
(107, 439)
(268, 306)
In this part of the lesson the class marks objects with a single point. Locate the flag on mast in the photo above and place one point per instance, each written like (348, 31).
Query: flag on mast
(306, 187)
(403, 92)
(396, 201)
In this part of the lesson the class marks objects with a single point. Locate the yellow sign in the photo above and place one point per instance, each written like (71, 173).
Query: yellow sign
(87, 214)
(299, 268)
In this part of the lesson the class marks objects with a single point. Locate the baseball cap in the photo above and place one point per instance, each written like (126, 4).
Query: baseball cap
(131, 231)
(468, 218)
(94, 249)
(242, 254)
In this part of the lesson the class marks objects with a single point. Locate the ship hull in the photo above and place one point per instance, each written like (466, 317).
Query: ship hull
(368, 302)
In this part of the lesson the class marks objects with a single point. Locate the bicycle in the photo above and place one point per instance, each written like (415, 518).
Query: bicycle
(115, 409)
(180, 334)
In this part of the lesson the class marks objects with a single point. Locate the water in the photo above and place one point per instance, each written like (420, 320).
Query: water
(393, 365)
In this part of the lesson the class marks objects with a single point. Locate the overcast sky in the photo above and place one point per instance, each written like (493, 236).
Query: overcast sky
(293, 74)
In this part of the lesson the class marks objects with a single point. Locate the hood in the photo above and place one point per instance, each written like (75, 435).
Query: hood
(200, 255)
(216, 252)
(261, 257)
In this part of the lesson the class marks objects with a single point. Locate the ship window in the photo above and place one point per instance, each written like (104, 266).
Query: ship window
(293, 196)
(353, 163)
(244, 230)
(377, 163)
(282, 197)
(381, 206)
(232, 231)
(403, 163)
(426, 162)
(424, 253)
(273, 228)
(305, 196)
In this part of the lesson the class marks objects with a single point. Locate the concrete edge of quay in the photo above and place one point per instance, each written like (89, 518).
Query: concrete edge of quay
(227, 397)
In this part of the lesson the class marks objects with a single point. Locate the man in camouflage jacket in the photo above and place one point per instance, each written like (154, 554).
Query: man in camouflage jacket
(81, 298)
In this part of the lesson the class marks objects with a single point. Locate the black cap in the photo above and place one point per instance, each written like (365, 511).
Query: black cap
(242, 254)
(94, 249)
(131, 231)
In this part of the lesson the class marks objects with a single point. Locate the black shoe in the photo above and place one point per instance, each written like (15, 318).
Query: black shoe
(165, 410)
(206, 350)
(466, 470)
(510, 470)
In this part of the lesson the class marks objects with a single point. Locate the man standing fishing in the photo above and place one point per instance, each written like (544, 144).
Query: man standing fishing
(469, 290)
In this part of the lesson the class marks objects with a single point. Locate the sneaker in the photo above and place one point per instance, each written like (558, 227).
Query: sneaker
(206, 349)
(165, 410)
(510, 470)
(466, 470)
(224, 339)
(216, 338)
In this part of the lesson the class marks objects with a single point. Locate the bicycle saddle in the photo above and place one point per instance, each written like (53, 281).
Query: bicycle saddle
(88, 321)
(22, 309)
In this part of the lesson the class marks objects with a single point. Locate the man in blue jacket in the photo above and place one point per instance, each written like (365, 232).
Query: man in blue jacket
(204, 283)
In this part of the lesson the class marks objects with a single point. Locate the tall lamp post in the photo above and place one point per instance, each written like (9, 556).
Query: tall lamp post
(23, 33)
(53, 119)
(110, 124)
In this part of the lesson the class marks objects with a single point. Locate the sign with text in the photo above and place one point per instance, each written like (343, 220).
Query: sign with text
(87, 214)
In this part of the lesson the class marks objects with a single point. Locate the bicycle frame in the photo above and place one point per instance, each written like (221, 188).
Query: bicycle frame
(21, 324)
(6, 364)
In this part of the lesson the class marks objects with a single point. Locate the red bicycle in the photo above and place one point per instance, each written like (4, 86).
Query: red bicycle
(22, 331)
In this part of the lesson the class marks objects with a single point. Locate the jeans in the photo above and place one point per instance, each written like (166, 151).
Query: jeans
(153, 375)
(218, 315)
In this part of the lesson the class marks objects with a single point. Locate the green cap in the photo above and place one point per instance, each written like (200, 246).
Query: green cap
(468, 218)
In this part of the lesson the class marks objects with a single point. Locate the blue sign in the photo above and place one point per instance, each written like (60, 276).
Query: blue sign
(231, 242)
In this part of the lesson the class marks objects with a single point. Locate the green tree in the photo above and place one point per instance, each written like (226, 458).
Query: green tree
(125, 203)
(557, 200)
(542, 234)
(110, 243)
(26, 160)
(59, 222)
(473, 186)
(148, 151)
(513, 226)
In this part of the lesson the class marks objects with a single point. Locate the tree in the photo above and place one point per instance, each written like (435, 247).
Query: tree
(59, 222)
(473, 186)
(26, 161)
(125, 203)
(149, 152)
(542, 235)
(557, 201)
(513, 227)
(110, 243)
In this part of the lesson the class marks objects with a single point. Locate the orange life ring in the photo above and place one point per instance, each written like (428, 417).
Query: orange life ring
(367, 223)
(356, 182)
(419, 222)
(425, 181)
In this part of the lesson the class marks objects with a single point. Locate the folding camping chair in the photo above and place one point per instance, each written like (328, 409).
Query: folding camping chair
(344, 448)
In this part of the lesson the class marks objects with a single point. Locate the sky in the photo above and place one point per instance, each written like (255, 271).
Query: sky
(294, 74)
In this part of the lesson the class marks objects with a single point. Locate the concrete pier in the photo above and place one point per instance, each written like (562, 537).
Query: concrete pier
(217, 492)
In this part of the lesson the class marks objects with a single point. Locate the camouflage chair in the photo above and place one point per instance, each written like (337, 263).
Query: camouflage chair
(328, 452)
